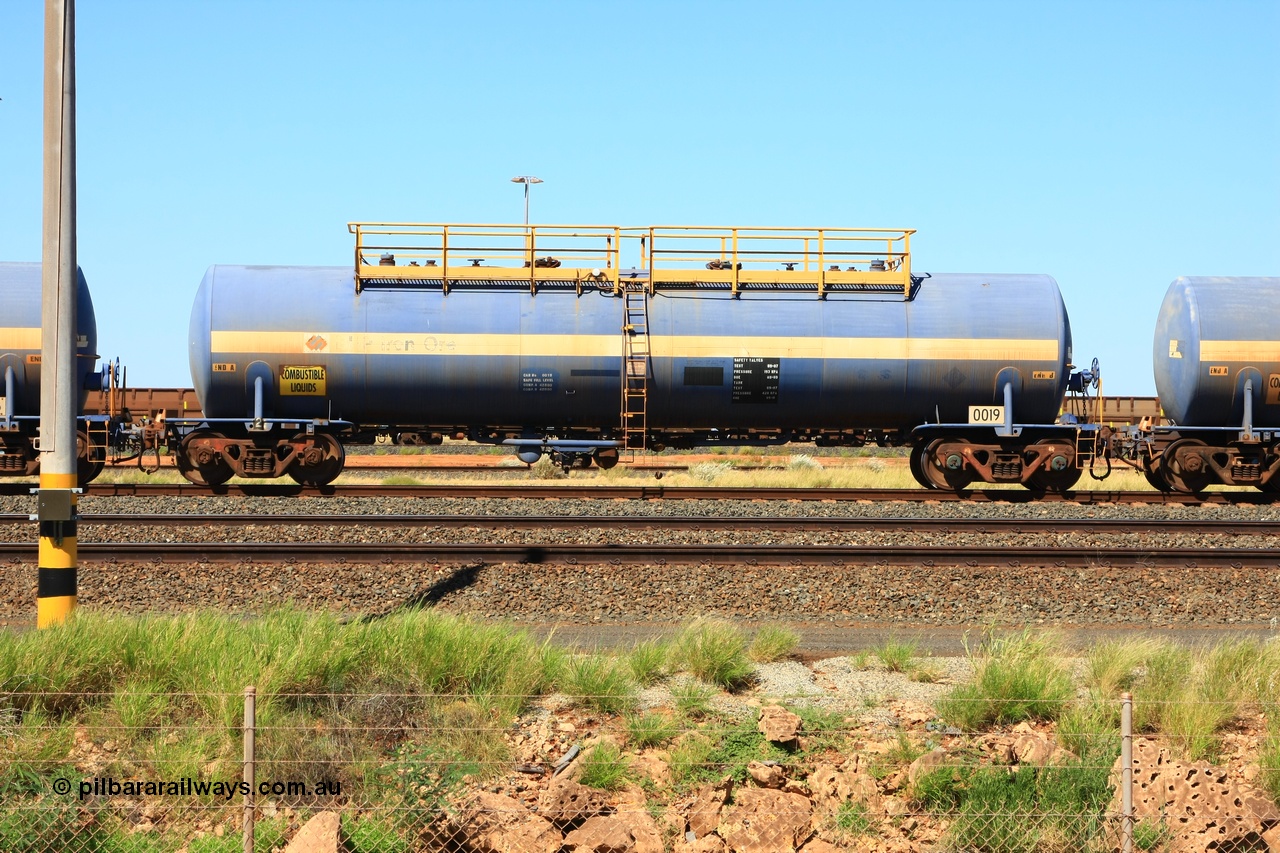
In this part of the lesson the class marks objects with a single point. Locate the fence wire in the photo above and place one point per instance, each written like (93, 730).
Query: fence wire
(142, 772)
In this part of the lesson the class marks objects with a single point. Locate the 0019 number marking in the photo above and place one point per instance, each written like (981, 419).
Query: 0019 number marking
(986, 414)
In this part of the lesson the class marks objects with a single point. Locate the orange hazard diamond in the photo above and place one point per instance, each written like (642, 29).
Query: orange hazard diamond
(315, 342)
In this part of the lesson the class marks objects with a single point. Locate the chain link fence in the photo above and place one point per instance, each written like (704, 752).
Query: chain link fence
(382, 774)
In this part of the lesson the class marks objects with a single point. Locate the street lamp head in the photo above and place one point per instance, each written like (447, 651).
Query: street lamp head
(526, 179)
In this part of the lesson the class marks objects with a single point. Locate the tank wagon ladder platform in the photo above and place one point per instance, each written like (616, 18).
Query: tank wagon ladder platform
(581, 257)
(635, 363)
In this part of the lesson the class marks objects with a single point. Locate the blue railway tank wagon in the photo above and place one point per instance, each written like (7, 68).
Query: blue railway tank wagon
(20, 352)
(1217, 371)
(568, 353)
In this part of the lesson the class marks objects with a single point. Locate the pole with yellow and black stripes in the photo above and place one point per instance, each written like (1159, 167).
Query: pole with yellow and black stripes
(59, 390)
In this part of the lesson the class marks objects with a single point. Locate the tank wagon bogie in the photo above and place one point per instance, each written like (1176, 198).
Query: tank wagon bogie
(20, 373)
(1217, 371)
(539, 339)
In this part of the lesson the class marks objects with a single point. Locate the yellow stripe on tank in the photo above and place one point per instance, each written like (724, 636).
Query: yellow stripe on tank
(1246, 351)
(610, 346)
(19, 337)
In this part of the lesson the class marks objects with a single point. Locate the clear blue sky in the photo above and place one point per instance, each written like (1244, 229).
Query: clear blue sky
(1112, 145)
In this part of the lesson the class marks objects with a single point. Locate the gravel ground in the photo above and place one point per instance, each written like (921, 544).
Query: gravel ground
(587, 595)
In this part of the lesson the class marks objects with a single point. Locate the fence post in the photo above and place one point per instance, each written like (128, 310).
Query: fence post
(250, 715)
(1126, 773)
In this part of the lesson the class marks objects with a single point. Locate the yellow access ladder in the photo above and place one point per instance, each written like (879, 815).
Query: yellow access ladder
(635, 365)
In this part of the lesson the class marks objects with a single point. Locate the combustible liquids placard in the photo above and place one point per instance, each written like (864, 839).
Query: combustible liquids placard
(1273, 389)
(306, 380)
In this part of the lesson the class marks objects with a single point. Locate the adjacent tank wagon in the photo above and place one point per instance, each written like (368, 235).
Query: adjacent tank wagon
(1217, 371)
(20, 369)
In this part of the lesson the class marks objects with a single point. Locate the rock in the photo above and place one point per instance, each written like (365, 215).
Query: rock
(1199, 803)
(318, 835)
(495, 823)
(1272, 837)
(601, 835)
(1036, 750)
(566, 803)
(705, 844)
(830, 788)
(817, 845)
(704, 814)
(645, 835)
(895, 807)
(765, 821)
(779, 725)
(926, 763)
(767, 775)
(654, 765)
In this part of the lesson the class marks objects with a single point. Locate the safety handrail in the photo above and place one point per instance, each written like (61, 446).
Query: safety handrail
(450, 253)
(825, 259)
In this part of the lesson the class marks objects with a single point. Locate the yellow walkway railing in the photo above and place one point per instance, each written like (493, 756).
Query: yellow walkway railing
(820, 259)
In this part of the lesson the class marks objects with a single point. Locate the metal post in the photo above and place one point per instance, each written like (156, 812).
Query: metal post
(1248, 410)
(1126, 773)
(8, 397)
(56, 583)
(250, 713)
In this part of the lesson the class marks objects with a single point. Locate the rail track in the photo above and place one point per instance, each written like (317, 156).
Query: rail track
(651, 554)
(657, 492)
(940, 526)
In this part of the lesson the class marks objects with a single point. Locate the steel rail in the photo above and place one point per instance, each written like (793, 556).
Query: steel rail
(633, 554)
(654, 492)
(944, 526)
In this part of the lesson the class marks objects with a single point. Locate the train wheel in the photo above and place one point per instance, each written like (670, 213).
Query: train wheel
(1183, 478)
(1157, 482)
(321, 463)
(1046, 480)
(87, 468)
(201, 464)
(917, 467)
(607, 457)
(946, 479)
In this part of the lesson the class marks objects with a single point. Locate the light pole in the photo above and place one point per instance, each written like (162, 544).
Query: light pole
(526, 180)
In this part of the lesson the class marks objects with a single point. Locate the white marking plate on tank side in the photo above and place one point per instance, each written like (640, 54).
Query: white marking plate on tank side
(3, 407)
(661, 346)
(986, 415)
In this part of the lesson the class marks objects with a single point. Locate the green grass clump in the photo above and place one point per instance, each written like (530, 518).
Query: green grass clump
(692, 698)
(1017, 677)
(772, 643)
(648, 661)
(1190, 694)
(605, 767)
(600, 683)
(1053, 808)
(897, 655)
(647, 730)
(714, 651)
(853, 819)
(690, 757)
(370, 834)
